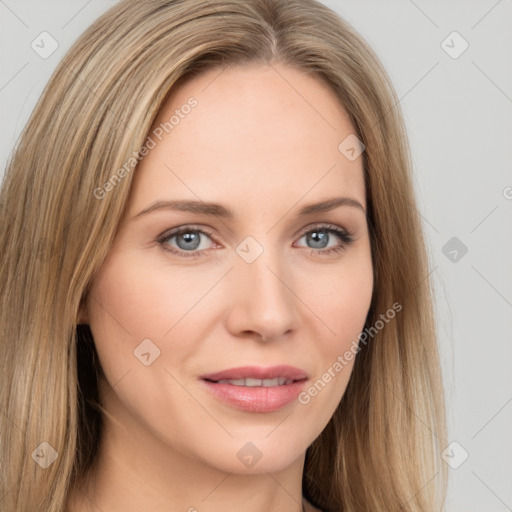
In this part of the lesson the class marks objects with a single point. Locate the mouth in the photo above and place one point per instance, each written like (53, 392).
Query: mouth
(256, 389)
(250, 382)
(253, 374)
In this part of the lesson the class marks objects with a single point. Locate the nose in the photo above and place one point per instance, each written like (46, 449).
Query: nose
(262, 300)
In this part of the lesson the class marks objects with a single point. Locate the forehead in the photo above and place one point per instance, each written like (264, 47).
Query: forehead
(256, 132)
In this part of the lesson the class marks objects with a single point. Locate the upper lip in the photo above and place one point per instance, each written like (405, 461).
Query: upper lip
(258, 372)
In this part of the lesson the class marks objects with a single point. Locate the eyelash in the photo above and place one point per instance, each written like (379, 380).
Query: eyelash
(343, 235)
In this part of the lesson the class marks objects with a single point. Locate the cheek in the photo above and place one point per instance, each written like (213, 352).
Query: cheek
(340, 300)
(139, 299)
(340, 296)
(125, 308)
(130, 303)
(133, 300)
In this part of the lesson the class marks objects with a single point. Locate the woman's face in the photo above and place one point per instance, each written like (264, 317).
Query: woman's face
(189, 291)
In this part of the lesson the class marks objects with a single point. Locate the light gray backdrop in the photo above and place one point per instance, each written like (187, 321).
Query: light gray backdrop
(450, 62)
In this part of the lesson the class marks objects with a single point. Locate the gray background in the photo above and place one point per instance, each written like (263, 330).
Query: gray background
(458, 113)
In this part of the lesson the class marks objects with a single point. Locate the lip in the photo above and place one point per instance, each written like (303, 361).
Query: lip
(257, 399)
(258, 372)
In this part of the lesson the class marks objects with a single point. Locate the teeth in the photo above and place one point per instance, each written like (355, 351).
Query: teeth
(249, 382)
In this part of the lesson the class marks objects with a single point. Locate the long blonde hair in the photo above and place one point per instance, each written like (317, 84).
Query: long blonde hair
(381, 449)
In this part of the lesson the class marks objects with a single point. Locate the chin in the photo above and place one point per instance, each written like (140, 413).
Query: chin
(256, 451)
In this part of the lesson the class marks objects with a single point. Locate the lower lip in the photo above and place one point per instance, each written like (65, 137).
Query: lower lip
(256, 398)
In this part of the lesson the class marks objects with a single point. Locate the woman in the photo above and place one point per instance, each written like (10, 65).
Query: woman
(214, 289)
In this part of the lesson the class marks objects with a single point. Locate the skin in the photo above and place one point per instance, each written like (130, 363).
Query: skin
(263, 141)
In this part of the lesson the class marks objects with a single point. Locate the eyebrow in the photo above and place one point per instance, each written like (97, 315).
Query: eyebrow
(219, 210)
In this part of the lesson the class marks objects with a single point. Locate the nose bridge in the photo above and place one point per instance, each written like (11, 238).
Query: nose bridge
(265, 302)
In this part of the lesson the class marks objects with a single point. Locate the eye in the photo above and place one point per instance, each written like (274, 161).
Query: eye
(187, 239)
(321, 236)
